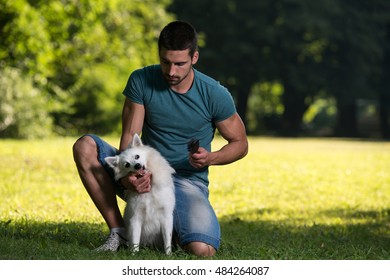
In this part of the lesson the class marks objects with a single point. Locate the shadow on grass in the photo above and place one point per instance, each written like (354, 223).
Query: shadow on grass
(30, 240)
(358, 235)
(368, 238)
(27, 239)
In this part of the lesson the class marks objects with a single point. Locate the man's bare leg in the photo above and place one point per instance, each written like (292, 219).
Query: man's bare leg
(96, 181)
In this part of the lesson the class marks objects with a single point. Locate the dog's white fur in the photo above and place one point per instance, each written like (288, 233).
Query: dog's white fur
(148, 216)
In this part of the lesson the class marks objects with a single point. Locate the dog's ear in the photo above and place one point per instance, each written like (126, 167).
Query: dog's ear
(112, 161)
(136, 141)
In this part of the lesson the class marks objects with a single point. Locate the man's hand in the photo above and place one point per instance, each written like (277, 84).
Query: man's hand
(139, 181)
(200, 159)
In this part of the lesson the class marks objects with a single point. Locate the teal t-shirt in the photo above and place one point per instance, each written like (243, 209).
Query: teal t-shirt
(172, 119)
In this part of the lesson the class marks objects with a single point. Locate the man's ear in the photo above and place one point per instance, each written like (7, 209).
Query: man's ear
(195, 58)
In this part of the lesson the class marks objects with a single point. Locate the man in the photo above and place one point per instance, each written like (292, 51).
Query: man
(170, 104)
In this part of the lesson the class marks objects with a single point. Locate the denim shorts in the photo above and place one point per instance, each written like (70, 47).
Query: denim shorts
(194, 218)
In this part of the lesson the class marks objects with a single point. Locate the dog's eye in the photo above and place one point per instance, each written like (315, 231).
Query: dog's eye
(127, 165)
(136, 157)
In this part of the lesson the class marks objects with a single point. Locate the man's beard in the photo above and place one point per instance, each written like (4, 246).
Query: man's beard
(175, 80)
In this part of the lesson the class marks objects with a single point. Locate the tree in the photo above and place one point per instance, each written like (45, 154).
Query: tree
(296, 51)
(314, 49)
(22, 107)
(98, 45)
(384, 88)
(25, 42)
(253, 41)
(354, 57)
(79, 54)
(231, 44)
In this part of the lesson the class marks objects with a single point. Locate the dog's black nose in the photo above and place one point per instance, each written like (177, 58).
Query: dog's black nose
(137, 166)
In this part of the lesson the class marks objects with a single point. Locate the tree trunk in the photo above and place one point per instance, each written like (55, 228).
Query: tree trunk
(294, 108)
(384, 95)
(347, 120)
(384, 105)
(243, 92)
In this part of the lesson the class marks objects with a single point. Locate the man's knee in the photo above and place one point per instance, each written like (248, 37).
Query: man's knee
(200, 249)
(83, 145)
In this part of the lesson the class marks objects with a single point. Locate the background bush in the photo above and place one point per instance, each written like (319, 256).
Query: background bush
(23, 109)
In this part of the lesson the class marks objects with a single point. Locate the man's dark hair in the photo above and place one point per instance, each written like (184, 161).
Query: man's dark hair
(178, 36)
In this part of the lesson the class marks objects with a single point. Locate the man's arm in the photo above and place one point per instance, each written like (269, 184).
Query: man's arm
(233, 130)
(133, 115)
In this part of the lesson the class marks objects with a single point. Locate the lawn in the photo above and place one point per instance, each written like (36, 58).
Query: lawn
(288, 199)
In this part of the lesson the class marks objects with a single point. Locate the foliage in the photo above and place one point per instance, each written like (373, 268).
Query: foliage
(288, 199)
(23, 111)
(354, 58)
(80, 53)
(25, 41)
(321, 116)
(309, 47)
(264, 107)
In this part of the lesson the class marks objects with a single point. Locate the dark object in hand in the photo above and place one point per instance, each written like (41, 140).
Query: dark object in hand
(193, 146)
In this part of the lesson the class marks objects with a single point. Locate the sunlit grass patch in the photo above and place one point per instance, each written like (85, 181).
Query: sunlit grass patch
(288, 199)
(307, 198)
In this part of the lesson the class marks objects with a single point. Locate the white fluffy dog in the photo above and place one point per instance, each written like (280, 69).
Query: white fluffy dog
(148, 216)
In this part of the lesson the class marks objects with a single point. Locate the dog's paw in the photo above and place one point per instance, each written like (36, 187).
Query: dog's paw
(134, 248)
(168, 250)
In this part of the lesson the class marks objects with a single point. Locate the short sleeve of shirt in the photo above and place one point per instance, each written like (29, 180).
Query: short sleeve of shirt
(217, 98)
(223, 105)
(135, 86)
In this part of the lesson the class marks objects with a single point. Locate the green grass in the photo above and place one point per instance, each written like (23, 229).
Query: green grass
(288, 199)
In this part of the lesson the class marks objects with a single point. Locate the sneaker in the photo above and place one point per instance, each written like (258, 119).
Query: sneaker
(113, 242)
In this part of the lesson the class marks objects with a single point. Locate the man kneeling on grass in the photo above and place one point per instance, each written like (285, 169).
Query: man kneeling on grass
(169, 104)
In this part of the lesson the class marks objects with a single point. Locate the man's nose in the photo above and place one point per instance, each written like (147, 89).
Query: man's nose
(171, 70)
